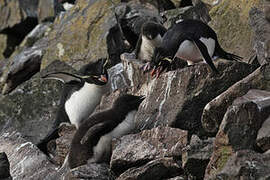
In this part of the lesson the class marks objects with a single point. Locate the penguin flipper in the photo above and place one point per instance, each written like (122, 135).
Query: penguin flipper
(205, 54)
(92, 131)
(63, 77)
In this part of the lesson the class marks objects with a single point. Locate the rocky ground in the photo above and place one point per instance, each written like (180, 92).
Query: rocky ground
(193, 124)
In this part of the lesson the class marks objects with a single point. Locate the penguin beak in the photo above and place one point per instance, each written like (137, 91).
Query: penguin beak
(103, 78)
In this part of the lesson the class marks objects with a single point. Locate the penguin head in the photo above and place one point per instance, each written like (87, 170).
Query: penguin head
(152, 29)
(161, 61)
(94, 73)
(128, 102)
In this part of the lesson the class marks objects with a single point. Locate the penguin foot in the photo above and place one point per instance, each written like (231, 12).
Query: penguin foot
(146, 68)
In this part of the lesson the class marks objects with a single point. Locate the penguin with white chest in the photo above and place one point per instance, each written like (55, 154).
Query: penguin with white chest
(192, 41)
(81, 94)
(92, 141)
(150, 38)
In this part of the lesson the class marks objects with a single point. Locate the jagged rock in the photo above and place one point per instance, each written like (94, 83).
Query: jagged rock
(214, 111)
(263, 137)
(230, 22)
(178, 97)
(245, 164)
(238, 129)
(138, 149)
(261, 28)
(157, 169)
(157, 5)
(47, 10)
(4, 166)
(26, 161)
(7, 45)
(196, 156)
(60, 147)
(31, 108)
(266, 9)
(90, 171)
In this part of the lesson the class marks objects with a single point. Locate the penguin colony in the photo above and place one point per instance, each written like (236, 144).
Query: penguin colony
(190, 40)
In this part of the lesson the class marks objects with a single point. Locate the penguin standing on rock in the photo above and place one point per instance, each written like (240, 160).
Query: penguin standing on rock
(92, 141)
(150, 38)
(81, 95)
(192, 41)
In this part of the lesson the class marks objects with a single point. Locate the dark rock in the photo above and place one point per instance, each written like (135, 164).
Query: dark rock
(261, 28)
(196, 156)
(31, 108)
(157, 169)
(245, 164)
(263, 137)
(8, 44)
(214, 111)
(238, 129)
(138, 149)
(60, 147)
(90, 171)
(178, 97)
(26, 161)
(4, 166)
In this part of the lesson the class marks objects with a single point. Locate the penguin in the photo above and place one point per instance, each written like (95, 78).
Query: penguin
(192, 41)
(150, 38)
(81, 94)
(92, 141)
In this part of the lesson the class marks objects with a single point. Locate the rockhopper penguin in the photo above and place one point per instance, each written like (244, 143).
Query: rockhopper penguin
(92, 141)
(190, 40)
(150, 38)
(80, 96)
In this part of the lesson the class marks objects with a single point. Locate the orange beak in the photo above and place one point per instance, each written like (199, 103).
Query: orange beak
(103, 78)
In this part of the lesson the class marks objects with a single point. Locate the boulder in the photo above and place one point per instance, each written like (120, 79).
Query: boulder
(245, 164)
(261, 28)
(177, 98)
(4, 166)
(90, 171)
(31, 108)
(214, 111)
(157, 169)
(47, 10)
(196, 156)
(239, 129)
(26, 161)
(138, 149)
(230, 22)
(263, 137)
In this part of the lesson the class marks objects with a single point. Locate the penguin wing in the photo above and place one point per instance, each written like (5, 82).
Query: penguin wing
(92, 131)
(138, 46)
(205, 54)
(63, 77)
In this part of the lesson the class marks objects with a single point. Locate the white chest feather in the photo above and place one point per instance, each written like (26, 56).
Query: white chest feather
(190, 52)
(104, 144)
(147, 47)
(83, 102)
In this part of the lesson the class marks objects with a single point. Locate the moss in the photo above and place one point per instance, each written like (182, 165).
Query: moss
(230, 21)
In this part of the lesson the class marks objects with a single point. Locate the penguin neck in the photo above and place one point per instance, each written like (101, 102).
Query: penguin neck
(83, 102)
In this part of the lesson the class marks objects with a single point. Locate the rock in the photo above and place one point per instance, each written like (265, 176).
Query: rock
(47, 10)
(60, 147)
(177, 178)
(263, 137)
(138, 149)
(266, 10)
(26, 161)
(261, 28)
(157, 5)
(157, 169)
(246, 164)
(230, 22)
(4, 166)
(196, 156)
(90, 171)
(31, 108)
(98, 33)
(214, 111)
(7, 45)
(178, 97)
(238, 129)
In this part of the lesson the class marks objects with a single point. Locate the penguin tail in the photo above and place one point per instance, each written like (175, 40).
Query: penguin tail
(225, 55)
